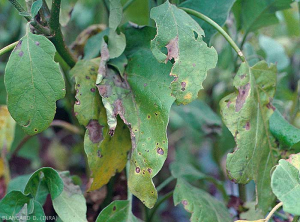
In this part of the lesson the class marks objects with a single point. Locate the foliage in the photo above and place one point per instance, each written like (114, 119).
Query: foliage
(152, 99)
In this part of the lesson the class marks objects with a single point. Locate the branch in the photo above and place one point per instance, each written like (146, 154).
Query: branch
(8, 48)
(218, 28)
(66, 125)
(19, 7)
(273, 211)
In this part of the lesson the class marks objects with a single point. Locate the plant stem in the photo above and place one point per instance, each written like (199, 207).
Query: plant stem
(165, 183)
(127, 4)
(129, 194)
(273, 211)
(242, 193)
(296, 218)
(57, 37)
(20, 145)
(218, 28)
(8, 48)
(66, 125)
(163, 199)
(19, 7)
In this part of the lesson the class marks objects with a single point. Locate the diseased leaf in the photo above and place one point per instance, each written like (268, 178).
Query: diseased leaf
(118, 210)
(282, 130)
(143, 100)
(48, 177)
(70, 205)
(33, 82)
(99, 146)
(203, 207)
(217, 10)
(7, 129)
(182, 36)
(246, 113)
(12, 203)
(254, 14)
(286, 184)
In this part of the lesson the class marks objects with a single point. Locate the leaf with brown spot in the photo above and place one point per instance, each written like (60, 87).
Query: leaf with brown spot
(99, 146)
(182, 36)
(203, 207)
(247, 117)
(143, 100)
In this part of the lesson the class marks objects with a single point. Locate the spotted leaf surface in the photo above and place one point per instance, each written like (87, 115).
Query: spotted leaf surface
(99, 146)
(33, 83)
(182, 37)
(119, 210)
(203, 207)
(143, 100)
(246, 113)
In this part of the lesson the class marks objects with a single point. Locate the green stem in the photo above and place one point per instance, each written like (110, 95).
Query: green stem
(57, 36)
(165, 183)
(218, 28)
(273, 211)
(242, 193)
(296, 218)
(163, 199)
(19, 7)
(127, 4)
(129, 194)
(67, 126)
(8, 48)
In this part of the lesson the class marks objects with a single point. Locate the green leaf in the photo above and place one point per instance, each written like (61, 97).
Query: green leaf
(217, 10)
(203, 207)
(286, 185)
(7, 129)
(118, 210)
(35, 8)
(282, 130)
(33, 82)
(2, 90)
(45, 176)
(182, 36)
(147, 118)
(274, 51)
(12, 203)
(246, 113)
(38, 213)
(70, 205)
(137, 12)
(99, 146)
(93, 45)
(255, 14)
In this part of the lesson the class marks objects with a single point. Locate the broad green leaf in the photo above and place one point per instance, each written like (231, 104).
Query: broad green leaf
(93, 45)
(203, 207)
(35, 8)
(143, 100)
(7, 129)
(246, 113)
(217, 10)
(118, 210)
(70, 205)
(12, 203)
(252, 213)
(137, 12)
(255, 14)
(274, 51)
(101, 148)
(282, 130)
(37, 214)
(182, 36)
(33, 82)
(44, 176)
(286, 185)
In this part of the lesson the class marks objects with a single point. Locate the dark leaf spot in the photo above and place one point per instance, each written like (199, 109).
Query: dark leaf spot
(87, 77)
(137, 170)
(270, 106)
(93, 89)
(95, 131)
(114, 208)
(247, 126)
(243, 93)
(37, 43)
(21, 53)
(99, 154)
(149, 170)
(173, 50)
(184, 202)
(183, 85)
(160, 151)
(19, 45)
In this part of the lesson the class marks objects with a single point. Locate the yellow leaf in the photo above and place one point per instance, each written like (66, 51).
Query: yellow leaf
(7, 128)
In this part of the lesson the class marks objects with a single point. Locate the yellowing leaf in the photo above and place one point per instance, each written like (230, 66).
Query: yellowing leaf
(182, 36)
(246, 113)
(7, 128)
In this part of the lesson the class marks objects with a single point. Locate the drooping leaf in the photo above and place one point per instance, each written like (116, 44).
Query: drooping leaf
(246, 113)
(182, 36)
(143, 100)
(286, 184)
(217, 10)
(274, 51)
(118, 210)
(254, 14)
(203, 207)
(99, 146)
(70, 205)
(7, 129)
(45, 176)
(33, 82)
(282, 130)
(12, 203)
